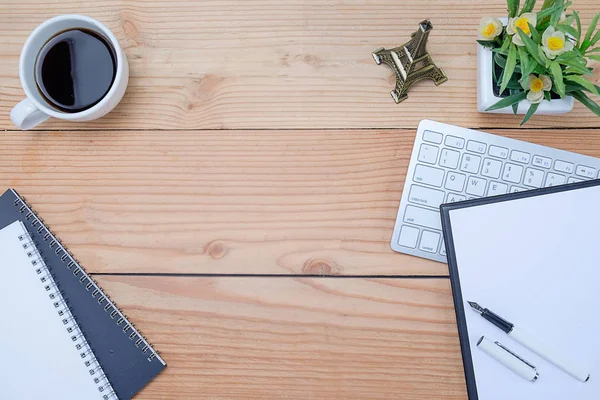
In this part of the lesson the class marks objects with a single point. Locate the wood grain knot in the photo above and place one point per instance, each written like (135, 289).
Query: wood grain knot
(320, 267)
(131, 31)
(215, 250)
(312, 59)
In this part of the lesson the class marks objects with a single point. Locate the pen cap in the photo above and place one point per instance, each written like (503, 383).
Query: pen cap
(508, 358)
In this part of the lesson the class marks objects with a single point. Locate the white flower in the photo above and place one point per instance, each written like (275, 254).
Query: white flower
(490, 28)
(554, 43)
(522, 23)
(537, 85)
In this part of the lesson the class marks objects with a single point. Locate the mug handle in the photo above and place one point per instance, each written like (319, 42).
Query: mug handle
(25, 115)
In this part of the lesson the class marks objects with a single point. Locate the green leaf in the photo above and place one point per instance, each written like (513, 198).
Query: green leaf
(569, 55)
(543, 57)
(528, 6)
(547, 12)
(523, 57)
(588, 36)
(569, 20)
(511, 63)
(559, 83)
(578, 21)
(548, 4)
(515, 107)
(583, 82)
(532, 109)
(547, 96)
(575, 67)
(508, 101)
(495, 77)
(567, 29)
(540, 70)
(500, 60)
(513, 7)
(531, 47)
(595, 58)
(488, 44)
(586, 101)
(507, 42)
(531, 69)
(535, 35)
(514, 85)
(557, 13)
(595, 39)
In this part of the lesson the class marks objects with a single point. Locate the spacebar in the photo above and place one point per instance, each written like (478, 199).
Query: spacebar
(422, 217)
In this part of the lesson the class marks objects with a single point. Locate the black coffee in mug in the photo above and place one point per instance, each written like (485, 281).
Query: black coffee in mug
(75, 69)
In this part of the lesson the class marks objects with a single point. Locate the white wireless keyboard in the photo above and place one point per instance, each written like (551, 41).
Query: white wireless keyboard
(451, 164)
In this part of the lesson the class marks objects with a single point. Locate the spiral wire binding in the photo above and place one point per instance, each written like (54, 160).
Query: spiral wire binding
(71, 263)
(70, 323)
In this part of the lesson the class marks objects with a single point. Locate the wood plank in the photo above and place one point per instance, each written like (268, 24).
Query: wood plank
(234, 202)
(269, 64)
(299, 338)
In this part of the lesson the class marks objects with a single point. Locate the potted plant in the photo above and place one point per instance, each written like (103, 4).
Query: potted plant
(537, 62)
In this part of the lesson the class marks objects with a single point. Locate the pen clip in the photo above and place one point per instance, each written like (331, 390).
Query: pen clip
(515, 355)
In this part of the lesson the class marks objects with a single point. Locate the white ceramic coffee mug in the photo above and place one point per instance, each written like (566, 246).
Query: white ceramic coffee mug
(35, 109)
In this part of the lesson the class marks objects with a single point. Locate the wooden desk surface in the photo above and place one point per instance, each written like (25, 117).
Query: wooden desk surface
(239, 202)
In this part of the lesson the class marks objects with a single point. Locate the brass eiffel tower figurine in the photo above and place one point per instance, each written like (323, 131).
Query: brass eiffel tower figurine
(411, 62)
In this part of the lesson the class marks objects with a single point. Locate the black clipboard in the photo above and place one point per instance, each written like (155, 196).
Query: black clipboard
(453, 267)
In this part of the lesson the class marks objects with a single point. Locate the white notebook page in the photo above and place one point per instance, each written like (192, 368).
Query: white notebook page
(38, 360)
(534, 261)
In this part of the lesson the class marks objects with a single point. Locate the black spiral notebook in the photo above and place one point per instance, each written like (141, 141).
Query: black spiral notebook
(126, 358)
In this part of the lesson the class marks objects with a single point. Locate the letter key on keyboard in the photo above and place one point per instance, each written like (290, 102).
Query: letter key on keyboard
(426, 196)
(429, 175)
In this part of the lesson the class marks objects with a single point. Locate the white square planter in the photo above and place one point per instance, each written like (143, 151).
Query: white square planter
(486, 97)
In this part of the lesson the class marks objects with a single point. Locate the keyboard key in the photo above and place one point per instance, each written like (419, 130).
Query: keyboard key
(554, 179)
(586, 172)
(425, 196)
(470, 163)
(428, 154)
(476, 147)
(520, 156)
(543, 162)
(574, 180)
(563, 166)
(499, 152)
(432, 137)
(516, 189)
(456, 142)
(443, 248)
(408, 236)
(428, 175)
(476, 186)
(497, 188)
(455, 181)
(533, 177)
(422, 217)
(491, 168)
(453, 198)
(449, 158)
(512, 173)
(429, 241)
